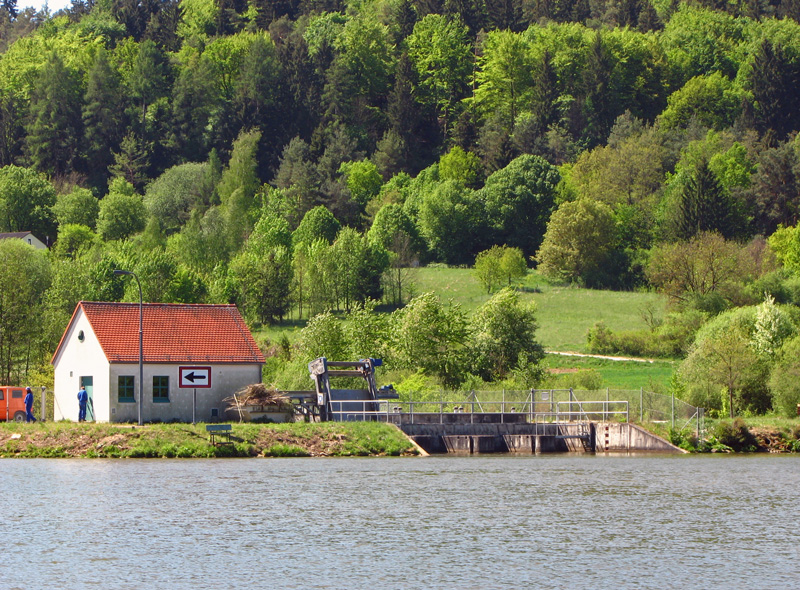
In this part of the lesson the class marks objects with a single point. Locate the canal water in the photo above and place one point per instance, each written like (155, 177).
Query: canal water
(558, 521)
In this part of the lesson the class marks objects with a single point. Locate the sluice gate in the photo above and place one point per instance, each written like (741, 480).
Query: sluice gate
(532, 438)
(500, 437)
(473, 426)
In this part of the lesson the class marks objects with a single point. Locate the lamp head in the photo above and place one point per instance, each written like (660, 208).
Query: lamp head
(122, 272)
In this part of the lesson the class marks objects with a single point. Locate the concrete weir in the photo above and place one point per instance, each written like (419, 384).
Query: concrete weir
(524, 437)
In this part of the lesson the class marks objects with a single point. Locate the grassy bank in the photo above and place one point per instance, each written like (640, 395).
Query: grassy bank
(68, 439)
(754, 434)
(565, 313)
(578, 372)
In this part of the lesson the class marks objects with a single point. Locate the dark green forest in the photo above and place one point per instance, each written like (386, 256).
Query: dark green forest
(295, 157)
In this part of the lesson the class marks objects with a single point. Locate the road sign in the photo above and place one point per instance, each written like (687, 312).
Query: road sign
(194, 377)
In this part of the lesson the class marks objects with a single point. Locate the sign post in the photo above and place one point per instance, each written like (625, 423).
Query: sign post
(194, 378)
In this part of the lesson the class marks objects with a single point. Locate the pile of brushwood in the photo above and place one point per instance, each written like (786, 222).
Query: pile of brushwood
(257, 394)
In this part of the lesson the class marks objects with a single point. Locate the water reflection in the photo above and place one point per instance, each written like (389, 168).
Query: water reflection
(441, 522)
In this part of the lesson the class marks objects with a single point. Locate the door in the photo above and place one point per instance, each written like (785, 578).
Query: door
(87, 383)
(17, 403)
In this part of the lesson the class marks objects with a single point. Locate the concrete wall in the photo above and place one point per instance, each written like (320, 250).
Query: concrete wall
(225, 381)
(612, 437)
(535, 438)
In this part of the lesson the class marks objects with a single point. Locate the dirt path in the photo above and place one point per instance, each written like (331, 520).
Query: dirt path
(600, 356)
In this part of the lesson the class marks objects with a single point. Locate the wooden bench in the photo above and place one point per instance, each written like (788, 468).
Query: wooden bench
(223, 431)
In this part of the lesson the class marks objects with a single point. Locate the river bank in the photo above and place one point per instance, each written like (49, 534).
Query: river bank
(330, 439)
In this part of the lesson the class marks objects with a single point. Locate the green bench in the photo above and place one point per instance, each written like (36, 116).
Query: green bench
(220, 431)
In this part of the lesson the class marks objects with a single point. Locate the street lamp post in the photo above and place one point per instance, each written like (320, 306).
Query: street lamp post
(141, 349)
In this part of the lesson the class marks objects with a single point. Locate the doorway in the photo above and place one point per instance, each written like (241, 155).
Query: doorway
(87, 383)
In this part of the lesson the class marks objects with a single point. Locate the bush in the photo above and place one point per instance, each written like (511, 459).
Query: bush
(683, 439)
(669, 340)
(736, 435)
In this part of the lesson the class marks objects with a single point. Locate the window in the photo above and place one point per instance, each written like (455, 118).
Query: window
(161, 389)
(125, 389)
(16, 394)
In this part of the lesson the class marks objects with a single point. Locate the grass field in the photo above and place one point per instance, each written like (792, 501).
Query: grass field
(653, 376)
(564, 313)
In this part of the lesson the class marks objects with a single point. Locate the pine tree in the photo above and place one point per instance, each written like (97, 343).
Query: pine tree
(54, 128)
(404, 17)
(9, 7)
(545, 92)
(11, 130)
(598, 102)
(469, 11)
(402, 108)
(102, 118)
(192, 103)
(506, 14)
(132, 160)
(705, 207)
(774, 80)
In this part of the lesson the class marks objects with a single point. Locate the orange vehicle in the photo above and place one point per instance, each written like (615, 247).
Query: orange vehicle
(12, 403)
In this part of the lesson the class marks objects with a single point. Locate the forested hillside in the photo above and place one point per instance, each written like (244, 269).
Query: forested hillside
(295, 156)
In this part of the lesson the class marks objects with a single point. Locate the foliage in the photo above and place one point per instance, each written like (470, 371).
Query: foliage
(670, 339)
(723, 356)
(432, 336)
(691, 271)
(784, 379)
(579, 237)
(499, 265)
(26, 197)
(173, 195)
(503, 336)
(121, 214)
(26, 272)
(735, 435)
(80, 206)
(519, 199)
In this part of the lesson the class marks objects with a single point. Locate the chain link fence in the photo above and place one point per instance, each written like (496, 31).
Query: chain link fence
(619, 405)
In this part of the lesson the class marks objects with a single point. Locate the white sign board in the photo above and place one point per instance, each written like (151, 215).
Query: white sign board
(194, 377)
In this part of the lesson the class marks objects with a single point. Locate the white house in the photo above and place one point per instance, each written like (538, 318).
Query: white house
(194, 357)
(26, 237)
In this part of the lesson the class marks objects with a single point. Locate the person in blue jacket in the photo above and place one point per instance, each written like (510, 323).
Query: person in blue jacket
(83, 397)
(29, 417)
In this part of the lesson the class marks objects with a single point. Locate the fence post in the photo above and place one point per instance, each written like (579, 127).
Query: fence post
(641, 405)
(673, 410)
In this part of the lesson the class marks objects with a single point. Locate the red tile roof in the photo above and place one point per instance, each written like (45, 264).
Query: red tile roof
(171, 333)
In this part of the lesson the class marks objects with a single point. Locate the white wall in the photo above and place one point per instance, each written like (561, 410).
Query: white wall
(225, 380)
(78, 359)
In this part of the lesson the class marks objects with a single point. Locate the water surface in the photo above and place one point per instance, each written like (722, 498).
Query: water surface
(557, 521)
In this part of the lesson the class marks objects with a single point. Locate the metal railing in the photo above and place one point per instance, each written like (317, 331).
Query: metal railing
(599, 405)
(468, 412)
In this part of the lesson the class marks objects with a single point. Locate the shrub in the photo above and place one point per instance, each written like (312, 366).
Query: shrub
(736, 435)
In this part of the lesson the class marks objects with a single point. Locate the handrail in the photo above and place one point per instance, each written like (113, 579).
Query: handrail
(384, 410)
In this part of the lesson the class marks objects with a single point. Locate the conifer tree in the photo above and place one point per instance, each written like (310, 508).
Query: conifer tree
(704, 206)
(774, 80)
(102, 118)
(54, 128)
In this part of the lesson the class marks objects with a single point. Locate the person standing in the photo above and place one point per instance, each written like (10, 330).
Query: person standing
(83, 397)
(29, 417)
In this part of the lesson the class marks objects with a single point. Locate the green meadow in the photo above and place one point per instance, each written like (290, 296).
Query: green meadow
(565, 314)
